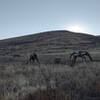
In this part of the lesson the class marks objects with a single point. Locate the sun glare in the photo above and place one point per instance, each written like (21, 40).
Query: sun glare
(76, 28)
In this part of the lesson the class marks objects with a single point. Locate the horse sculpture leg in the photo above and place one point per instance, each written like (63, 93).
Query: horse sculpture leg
(73, 61)
(37, 60)
(71, 58)
(83, 59)
(88, 55)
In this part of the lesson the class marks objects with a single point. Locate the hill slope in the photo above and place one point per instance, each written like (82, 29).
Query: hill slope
(19, 79)
(51, 41)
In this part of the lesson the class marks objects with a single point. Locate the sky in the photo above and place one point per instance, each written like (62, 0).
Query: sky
(23, 17)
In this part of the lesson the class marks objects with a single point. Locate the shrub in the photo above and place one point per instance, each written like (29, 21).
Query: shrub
(48, 94)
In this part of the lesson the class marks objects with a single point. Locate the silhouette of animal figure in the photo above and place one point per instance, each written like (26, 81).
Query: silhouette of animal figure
(82, 54)
(33, 58)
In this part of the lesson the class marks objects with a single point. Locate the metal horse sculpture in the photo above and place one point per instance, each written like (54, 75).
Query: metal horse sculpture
(33, 57)
(82, 54)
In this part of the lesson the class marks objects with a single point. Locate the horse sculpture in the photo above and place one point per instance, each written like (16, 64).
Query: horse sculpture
(82, 54)
(33, 57)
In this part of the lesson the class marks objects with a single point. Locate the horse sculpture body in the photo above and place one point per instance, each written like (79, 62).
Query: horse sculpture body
(82, 54)
(33, 58)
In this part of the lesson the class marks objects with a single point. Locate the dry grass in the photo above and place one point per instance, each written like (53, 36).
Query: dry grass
(50, 94)
(80, 81)
(18, 80)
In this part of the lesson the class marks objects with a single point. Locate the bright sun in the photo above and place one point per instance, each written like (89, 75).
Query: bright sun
(76, 28)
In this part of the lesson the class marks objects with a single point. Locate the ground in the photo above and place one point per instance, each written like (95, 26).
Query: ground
(18, 79)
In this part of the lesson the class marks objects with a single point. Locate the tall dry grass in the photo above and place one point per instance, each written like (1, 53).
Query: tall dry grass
(81, 82)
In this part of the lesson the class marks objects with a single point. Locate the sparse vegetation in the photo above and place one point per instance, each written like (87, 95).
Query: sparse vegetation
(80, 82)
(53, 79)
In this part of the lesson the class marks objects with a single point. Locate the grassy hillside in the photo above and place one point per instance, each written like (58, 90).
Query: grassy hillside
(46, 43)
(52, 40)
(49, 81)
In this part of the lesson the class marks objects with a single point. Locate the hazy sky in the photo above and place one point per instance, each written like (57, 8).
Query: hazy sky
(20, 17)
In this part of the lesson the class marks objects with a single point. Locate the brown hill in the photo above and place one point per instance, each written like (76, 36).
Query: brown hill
(51, 41)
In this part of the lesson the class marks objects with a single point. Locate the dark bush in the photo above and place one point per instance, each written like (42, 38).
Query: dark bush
(49, 94)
